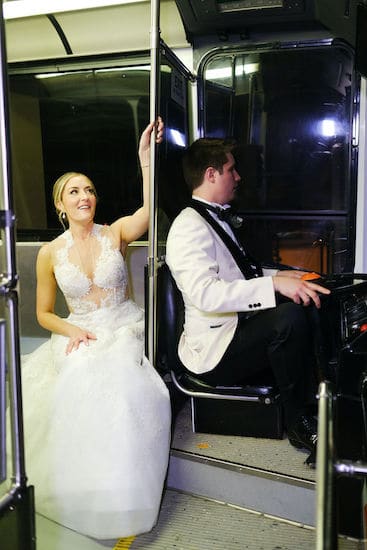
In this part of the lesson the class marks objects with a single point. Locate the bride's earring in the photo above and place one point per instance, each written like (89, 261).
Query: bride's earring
(63, 220)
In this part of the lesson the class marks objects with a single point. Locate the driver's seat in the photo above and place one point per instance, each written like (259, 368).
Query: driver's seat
(250, 410)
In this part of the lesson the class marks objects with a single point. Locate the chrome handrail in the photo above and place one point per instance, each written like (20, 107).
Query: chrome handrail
(153, 198)
(2, 402)
(15, 390)
(328, 469)
(210, 395)
(8, 293)
(350, 468)
(325, 482)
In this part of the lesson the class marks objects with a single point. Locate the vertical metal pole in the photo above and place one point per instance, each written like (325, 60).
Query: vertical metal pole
(152, 249)
(8, 276)
(326, 538)
(2, 403)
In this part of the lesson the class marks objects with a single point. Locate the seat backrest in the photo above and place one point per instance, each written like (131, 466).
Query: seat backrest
(170, 319)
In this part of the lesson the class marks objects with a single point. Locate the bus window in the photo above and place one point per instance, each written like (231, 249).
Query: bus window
(79, 119)
(291, 112)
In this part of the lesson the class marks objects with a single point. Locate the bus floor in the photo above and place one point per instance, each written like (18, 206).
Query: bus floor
(187, 522)
(198, 514)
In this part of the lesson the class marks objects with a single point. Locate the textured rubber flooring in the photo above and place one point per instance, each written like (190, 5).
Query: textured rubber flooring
(192, 523)
(188, 522)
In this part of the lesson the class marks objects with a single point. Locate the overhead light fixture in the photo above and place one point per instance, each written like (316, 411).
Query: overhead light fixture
(226, 72)
(250, 68)
(328, 127)
(124, 69)
(16, 9)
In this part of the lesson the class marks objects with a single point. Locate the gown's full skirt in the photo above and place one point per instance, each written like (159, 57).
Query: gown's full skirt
(97, 427)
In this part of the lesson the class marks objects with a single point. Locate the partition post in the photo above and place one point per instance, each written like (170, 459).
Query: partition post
(8, 276)
(152, 248)
(326, 536)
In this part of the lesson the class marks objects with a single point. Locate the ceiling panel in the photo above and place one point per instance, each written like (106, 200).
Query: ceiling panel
(94, 31)
(32, 38)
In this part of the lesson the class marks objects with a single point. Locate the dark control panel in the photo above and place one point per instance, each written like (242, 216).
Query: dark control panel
(354, 316)
(348, 303)
(227, 6)
(235, 5)
(343, 317)
(247, 7)
(210, 16)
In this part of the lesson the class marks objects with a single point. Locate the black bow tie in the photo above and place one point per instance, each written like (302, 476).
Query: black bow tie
(227, 215)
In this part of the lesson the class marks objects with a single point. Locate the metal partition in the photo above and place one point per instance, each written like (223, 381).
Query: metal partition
(16, 501)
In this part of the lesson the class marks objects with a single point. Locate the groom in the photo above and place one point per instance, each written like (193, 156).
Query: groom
(234, 326)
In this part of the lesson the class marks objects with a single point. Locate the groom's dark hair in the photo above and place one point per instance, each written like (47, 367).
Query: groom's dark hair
(201, 154)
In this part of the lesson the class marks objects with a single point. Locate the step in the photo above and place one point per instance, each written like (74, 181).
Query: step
(264, 475)
(271, 493)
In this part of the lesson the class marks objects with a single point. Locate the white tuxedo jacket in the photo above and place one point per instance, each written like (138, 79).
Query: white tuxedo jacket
(213, 290)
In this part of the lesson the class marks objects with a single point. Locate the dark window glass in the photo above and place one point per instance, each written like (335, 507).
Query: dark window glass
(87, 121)
(291, 113)
(173, 193)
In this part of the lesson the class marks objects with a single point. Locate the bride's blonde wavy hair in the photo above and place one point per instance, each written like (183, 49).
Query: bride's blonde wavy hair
(58, 190)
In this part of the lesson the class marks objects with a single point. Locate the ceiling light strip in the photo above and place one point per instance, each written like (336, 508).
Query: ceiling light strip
(17, 9)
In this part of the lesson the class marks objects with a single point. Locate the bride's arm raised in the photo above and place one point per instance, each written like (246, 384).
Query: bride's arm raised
(130, 228)
(45, 303)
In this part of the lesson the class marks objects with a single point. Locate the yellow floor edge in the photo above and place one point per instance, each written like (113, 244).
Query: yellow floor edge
(122, 544)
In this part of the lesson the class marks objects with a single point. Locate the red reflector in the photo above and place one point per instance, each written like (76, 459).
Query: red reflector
(363, 327)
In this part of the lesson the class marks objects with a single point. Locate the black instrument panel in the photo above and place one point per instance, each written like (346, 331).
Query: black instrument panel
(350, 293)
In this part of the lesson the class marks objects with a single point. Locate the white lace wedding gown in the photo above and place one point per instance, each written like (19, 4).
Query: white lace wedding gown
(97, 421)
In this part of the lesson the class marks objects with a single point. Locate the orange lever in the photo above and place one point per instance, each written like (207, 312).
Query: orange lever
(310, 276)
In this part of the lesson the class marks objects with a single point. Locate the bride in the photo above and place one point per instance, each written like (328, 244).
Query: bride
(96, 413)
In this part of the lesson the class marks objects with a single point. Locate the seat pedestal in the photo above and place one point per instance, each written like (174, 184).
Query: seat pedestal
(232, 417)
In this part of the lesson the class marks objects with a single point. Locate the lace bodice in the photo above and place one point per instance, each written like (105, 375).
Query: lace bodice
(108, 284)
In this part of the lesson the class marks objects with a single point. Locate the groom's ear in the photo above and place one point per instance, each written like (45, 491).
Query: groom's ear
(210, 173)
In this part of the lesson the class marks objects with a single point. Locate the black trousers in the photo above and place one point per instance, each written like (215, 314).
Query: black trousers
(280, 339)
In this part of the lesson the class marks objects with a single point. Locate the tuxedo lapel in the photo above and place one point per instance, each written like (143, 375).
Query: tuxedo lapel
(248, 266)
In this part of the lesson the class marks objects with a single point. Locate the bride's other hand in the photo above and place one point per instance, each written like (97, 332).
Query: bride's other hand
(77, 337)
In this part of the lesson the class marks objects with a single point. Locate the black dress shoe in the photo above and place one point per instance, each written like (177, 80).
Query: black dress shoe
(304, 434)
(311, 459)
